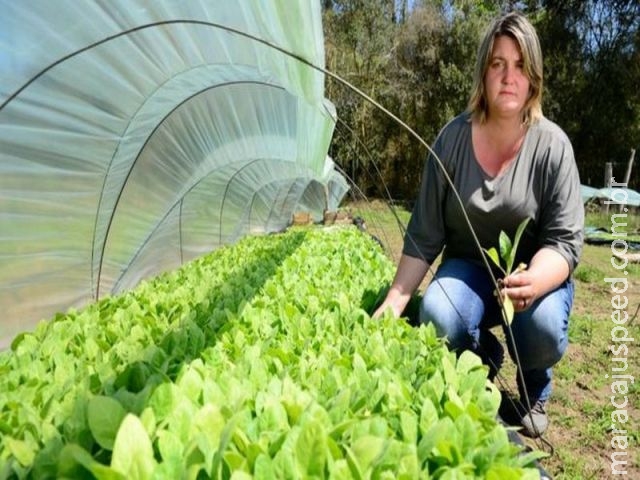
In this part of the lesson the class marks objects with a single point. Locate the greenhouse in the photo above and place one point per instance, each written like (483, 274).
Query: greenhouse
(152, 327)
(146, 136)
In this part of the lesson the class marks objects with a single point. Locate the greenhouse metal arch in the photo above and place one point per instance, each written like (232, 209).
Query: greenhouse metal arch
(105, 139)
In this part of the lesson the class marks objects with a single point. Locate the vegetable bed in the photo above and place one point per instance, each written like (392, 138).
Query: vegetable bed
(257, 361)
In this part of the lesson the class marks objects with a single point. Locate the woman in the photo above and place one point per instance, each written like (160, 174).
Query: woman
(508, 163)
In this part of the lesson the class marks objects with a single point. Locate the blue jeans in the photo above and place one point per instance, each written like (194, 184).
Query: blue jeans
(460, 302)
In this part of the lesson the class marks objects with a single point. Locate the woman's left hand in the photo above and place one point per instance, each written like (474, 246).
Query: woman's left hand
(520, 288)
(547, 270)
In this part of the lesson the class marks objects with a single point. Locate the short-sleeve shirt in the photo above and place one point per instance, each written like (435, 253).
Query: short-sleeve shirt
(542, 183)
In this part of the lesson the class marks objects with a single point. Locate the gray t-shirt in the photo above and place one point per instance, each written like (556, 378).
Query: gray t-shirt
(542, 183)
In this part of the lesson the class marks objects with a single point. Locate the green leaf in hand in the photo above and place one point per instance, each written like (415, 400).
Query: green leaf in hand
(492, 253)
(506, 247)
(508, 309)
(516, 240)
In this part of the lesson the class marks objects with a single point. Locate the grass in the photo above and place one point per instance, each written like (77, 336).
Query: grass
(599, 218)
(580, 408)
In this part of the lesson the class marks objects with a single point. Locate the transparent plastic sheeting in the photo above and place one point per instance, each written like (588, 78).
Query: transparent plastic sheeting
(136, 135)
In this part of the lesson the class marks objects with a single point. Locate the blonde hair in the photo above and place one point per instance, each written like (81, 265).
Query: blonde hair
(517, 27)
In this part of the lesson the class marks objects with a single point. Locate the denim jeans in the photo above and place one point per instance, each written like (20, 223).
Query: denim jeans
(460, 302)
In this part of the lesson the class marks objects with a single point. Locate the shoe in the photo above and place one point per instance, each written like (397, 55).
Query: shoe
(491, 352)
(535, 422)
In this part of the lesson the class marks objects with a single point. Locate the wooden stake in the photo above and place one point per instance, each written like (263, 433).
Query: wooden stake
(627, 175)
(608, 173)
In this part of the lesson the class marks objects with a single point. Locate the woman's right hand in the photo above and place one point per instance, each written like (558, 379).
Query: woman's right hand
(396, 301)
(387, 305)
(409, 274)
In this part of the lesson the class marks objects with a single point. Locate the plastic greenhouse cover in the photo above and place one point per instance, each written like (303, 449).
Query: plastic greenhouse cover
(139, 134)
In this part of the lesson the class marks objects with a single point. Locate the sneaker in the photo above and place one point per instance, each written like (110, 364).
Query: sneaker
(535, 423)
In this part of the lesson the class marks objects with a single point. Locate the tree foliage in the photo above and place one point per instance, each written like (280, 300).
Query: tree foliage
(417, 57)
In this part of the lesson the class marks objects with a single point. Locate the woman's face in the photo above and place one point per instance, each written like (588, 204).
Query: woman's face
(506, 84)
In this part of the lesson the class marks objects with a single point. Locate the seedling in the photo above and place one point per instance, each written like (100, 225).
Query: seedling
(507, 256)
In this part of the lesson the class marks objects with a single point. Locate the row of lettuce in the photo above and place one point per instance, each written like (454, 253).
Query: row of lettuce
(257, 361)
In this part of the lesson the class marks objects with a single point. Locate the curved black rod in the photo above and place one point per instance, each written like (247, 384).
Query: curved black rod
(129, 31)
(341, 123)
(164, 217)
(157, 226)
(133, 164)
(231, 179)
(168, 212)
(95, 291)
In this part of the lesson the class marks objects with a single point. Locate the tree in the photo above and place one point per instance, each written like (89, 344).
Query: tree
(592, 79)
(612, 102)
(417, 58)
(359, 43)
